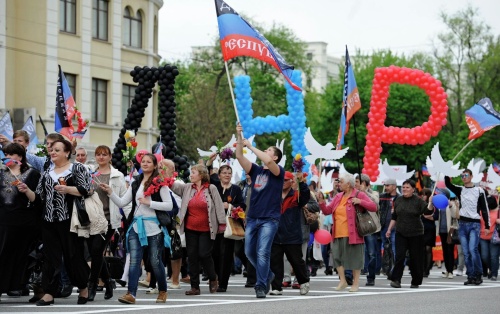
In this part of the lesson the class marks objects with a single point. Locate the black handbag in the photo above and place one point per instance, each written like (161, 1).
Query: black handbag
(175, 245)
(453, 237)
(365, 224)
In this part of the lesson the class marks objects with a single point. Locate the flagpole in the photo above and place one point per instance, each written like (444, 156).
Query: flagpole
(458, 154)
(231, 89)
(319, 177)
(356, 142)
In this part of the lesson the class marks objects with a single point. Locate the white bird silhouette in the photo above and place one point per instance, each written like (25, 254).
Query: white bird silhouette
(397, 173)
(436, 165)
(213, 148)
(343, 170)
(493, 178)
(476, 165)
(281, 146)
(237, 168)
(326, 181)
(316, 150)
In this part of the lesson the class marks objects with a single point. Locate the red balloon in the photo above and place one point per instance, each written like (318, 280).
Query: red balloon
(322, 236)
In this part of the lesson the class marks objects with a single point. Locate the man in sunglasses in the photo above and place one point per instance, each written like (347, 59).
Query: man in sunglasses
(473, 202)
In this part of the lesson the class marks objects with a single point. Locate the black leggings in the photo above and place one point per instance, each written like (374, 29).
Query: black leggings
(97, 244)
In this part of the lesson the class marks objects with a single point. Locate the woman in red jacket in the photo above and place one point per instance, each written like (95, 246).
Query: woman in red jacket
(348, 246)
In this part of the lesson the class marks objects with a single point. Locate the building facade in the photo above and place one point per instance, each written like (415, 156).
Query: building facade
(97, 43)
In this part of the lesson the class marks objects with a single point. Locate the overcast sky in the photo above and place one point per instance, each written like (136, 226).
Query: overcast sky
(401, 25)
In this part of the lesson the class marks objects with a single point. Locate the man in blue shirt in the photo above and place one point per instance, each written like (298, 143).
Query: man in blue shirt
(263, 217)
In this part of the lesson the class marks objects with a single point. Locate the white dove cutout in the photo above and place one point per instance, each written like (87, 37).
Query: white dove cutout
(326, 181)
(439, 168)
(476, 165)
(396, 172)
(213, 148)
(493, 178)
(342, 170)
(281, 146)
(316, 150)
(237, 168)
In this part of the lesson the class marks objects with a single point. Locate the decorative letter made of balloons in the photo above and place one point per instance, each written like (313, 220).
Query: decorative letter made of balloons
(295, 121)
(378, 133)
(147, 78)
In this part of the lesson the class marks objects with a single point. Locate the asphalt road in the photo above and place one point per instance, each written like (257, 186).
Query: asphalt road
(436, 295)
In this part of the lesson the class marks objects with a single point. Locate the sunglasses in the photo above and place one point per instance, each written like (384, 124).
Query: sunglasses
(464, 175)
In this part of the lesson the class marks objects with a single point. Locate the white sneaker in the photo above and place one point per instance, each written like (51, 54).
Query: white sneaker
(152, 291)
(450, 275)
(276, 292)
(144, 283)
(460, 272)
(445, 274)
(304, 288)
(172, 286)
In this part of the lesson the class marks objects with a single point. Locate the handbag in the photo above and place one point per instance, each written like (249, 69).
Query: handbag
(495, 238)
(175, 245)
(81, 212)
(167, 218)
(365, 223)
(453, 237)
(234, 227)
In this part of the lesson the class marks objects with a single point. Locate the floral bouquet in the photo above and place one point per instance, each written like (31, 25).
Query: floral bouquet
(82, 124)
(131, 150)
(297, 165)
(158, 182)
(238, 213)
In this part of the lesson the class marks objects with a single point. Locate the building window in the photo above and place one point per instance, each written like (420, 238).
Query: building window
(67, 16)
(99, 100)
(309, 56)
(128, 92)
(100, 19)
(71, 79)
(132, 29)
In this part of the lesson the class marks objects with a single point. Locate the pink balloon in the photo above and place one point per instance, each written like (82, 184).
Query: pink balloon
(139, 155)
(322, 236)
(159, 157)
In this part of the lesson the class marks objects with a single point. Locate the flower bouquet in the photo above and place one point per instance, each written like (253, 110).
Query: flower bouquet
(83, 124)
(158, 182)
(131, 149)
(238, 213)
(234, 224)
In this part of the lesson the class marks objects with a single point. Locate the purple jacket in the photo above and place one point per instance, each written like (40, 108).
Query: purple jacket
(366, 203)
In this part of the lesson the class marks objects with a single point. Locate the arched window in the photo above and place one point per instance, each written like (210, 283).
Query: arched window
(132, 29)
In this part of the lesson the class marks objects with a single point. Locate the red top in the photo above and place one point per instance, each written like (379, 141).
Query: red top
(197, 212)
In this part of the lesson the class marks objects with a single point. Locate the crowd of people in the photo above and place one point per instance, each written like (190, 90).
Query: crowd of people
(51, 238)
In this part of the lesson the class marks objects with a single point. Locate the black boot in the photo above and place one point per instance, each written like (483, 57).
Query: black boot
(109, 285)
(92, 291)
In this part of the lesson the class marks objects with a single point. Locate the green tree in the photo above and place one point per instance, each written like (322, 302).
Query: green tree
(407, 106)
(459, 55)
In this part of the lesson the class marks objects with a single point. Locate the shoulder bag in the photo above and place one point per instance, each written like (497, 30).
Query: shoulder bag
(365, 223)
(234, 227)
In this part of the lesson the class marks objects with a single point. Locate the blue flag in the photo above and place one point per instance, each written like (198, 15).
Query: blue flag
(481, 117)
(6, 126)
(30, 128)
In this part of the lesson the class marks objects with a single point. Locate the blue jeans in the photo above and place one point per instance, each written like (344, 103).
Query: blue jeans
(259, 236)
(372, 249)
(469, 239)
(489, 254)
(156, 247)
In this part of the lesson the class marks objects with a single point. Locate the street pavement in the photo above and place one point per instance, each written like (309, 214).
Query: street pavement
(435, 295)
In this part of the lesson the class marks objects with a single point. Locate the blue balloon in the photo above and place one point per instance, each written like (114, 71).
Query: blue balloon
(440, 201)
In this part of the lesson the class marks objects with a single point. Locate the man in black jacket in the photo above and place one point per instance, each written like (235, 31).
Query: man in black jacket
(288, 239)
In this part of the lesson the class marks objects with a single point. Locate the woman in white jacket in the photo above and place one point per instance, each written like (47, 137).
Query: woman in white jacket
(106, 174)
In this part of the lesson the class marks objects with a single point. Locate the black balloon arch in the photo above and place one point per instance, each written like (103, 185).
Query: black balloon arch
(147, 78)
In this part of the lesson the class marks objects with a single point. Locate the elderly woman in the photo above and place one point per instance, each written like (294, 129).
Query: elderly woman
(201, 218)
(144, 228)
(19, 218)
(59, 187)
(409, 234)
(348, 246)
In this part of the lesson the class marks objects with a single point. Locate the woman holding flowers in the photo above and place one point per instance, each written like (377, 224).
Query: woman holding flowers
(105, 173)
(201, 218)
(147, 195)
(232, 199)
